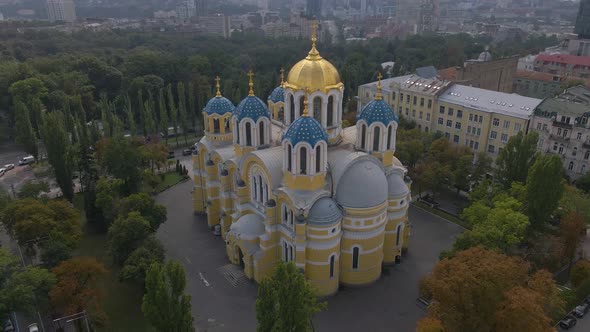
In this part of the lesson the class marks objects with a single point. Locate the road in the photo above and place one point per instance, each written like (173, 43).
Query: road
(221, 305)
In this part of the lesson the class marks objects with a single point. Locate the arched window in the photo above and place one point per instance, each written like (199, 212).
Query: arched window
(560, 149)
(355, 257)
(583, 170)
(318, 158)
(363, 136)
(260, 190)
(301, 105)
(289, 151)
(426, 129)
(397, 235)
(575, 151)
(216, 126)
(303, 160)
(389, 134)
(261, 133)
(253, 188)
(281, 115)
(237, 131)
(571, 166)
(248, 134)
(587, 154)
(227, 126)
(291, 108)
(330, 120)
(317, 109)
(376, 138)
(332, 260)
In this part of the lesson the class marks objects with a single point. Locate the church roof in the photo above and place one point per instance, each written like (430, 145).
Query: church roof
(324, 211)
(219, 105)
(305, 129)
(251, 107)
(377, 111)
(277, 95)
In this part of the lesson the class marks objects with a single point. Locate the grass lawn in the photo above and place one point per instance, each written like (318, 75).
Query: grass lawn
(170, 179)
(122, 301)
(442, 214)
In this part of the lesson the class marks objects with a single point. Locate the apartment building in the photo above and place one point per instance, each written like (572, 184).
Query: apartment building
(562, 124)
(482, 119)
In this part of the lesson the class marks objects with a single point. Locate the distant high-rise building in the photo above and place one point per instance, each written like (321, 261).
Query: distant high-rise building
(428, 18)
(582, 27)
(61, 10)
(314, 8)
(186, 9)
(201, 7)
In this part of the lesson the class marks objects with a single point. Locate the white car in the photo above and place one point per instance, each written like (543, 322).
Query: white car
(33, 328)
(2, 172)
(26, 160)
(9, 167)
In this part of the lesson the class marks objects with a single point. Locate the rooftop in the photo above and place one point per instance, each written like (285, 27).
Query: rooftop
(537, 76)
(563, 107)
(415, 83)
(490, 101)
(565, 58)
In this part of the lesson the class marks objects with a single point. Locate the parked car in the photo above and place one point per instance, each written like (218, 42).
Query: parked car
(170, 154)
(8, 326)
(9, 167)
(581, 310)
(187, 152)
(567, 323)
(33, 328)
(26, 160)
(2, 172)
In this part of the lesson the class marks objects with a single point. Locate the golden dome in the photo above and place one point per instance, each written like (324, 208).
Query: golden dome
(314, 72)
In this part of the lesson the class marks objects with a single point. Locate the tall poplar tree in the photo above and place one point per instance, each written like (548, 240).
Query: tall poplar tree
(59, 151)
(173, 112)
(182, 116)
(129, 116)
(516, 158)
(192, 111)
(25, 134)
(163, 115)
(544, 189)
(165, 305)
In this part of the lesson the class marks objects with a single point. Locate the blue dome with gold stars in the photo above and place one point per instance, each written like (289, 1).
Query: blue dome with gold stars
(305, 129)
(251, 107)
(377, 111)
(277, 95)
(219, 105)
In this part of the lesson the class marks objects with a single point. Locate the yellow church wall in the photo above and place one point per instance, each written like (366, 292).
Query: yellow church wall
(319, 277)
(304, 182)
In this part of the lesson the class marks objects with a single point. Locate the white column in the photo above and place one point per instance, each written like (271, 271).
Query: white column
(324, 112)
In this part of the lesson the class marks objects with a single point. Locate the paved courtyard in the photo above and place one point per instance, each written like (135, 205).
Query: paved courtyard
(223, 300)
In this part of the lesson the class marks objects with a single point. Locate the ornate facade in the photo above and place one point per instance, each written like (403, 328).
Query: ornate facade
(284, 180)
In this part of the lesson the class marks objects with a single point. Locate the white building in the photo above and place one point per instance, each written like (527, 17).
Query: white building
(526, 63)
(61, 10)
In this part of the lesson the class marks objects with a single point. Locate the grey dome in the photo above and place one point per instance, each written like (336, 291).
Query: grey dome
(324, 211)
(485, 56)
(362, 185)
(397, 185)
(249, 224)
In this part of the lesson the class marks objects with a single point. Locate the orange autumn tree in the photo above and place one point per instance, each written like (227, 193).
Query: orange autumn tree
(474, 291)
(76, 288)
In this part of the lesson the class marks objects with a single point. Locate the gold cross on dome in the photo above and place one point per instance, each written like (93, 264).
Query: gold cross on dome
(217, 86)
(379, 96)
(282, 76)
(251, 82)
(314, 33)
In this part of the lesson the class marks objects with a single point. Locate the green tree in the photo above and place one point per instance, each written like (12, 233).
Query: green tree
(544, 189)
(462, 173)
(130, 118)
(108, 192)
(126, 234)
(21, 289)
(192, 110)
(25, 134)
(286, 301)
(146, 205)
(580, 272)
(516, 158)
(138, 263)
(121, 158)
(584, 182)
(482, 166)
(32, 189)
(182, 116)
(59, 152)
(163, 115)
(173, 112)
(165, 305)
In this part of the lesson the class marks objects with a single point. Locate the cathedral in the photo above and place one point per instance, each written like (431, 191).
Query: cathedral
(283, 181)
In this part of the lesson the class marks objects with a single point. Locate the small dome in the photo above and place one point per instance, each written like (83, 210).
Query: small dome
(377, 111)
(249, 224)
(485, 56)
(397, 186)
(362, 185)
(305, 129)
(251, 107)
(324, 211)
(219, 105)
(277, 95)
